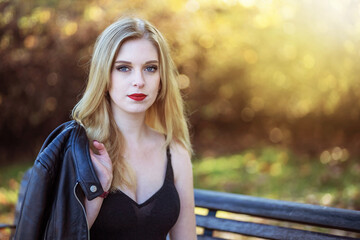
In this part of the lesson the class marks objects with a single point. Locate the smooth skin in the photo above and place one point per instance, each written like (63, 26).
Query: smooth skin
(136, 70)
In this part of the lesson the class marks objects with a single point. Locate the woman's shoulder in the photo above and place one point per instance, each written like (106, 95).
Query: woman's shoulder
(180, 159)
(62, 135)
(179, 150)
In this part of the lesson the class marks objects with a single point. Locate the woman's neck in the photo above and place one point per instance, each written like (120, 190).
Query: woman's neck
(132, 126)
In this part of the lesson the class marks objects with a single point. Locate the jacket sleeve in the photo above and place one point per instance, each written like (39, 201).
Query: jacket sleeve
(39, 194)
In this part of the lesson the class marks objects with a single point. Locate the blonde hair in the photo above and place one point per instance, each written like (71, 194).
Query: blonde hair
(93, 111)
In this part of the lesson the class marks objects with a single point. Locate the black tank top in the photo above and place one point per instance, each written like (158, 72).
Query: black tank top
(120, 217)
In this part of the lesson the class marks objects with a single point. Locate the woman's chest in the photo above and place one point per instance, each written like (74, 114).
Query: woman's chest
(121, 215)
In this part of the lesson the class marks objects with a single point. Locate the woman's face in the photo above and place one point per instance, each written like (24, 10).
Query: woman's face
(135, 77)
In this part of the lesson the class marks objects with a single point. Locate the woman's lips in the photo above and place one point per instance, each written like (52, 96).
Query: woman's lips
(137, 96)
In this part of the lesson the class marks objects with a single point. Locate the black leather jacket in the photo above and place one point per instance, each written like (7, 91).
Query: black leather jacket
(61, 178)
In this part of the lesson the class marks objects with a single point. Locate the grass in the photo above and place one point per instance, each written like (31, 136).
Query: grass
(280, 174)
(10, 178)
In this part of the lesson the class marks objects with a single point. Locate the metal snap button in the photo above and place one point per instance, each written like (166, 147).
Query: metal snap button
(93, 188)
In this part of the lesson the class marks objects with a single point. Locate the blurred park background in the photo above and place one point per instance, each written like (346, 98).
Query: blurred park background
(271, 86)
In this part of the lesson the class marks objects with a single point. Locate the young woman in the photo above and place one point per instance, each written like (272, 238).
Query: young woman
(122, 169)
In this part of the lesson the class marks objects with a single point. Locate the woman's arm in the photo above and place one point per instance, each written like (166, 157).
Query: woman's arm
(103, 168)
(92, 210)
(185, 227)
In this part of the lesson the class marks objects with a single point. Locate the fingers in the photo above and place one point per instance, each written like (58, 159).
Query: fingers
(100, 147)
(100, 154)
(100, 163)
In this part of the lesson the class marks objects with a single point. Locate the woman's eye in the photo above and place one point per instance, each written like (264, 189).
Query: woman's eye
(151, 68)
(123, 68)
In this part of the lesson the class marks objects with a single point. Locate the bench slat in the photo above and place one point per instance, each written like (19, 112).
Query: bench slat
(343, 219)
(262, 230)
(7, 226)
(201, 237)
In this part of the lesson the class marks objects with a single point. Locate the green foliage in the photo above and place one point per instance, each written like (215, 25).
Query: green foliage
(10, 178)
(11, 173)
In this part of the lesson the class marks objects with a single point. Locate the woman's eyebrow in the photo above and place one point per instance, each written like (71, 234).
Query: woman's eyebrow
(152, 61)
(127, 62)
(121, 61)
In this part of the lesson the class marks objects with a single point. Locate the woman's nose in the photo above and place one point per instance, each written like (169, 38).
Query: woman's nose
(139, 80)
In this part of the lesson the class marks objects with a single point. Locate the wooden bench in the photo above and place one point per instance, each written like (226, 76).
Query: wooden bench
(219, 206)
(224, 204)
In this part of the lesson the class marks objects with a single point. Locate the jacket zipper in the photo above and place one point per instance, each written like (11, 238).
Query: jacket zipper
(87, 224)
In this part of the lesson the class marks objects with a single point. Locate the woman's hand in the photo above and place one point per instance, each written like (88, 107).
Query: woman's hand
(102, 164)
(104, 171)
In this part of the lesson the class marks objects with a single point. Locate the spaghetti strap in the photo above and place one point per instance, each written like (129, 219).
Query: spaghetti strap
(169, 168)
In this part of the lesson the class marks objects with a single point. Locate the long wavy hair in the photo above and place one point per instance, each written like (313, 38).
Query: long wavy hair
(93, 111)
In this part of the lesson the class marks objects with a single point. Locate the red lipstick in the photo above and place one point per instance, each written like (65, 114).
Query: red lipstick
(137, 96)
